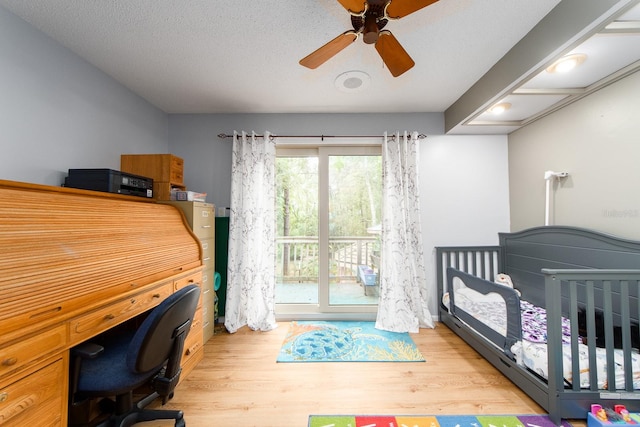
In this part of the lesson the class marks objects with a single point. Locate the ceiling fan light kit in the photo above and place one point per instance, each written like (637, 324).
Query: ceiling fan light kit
(369, 18)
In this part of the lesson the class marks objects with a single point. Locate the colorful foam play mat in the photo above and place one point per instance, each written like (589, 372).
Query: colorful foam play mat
(311, 341)
(432, 421)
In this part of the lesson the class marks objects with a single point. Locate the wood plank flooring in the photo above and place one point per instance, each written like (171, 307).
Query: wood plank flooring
(239, 384)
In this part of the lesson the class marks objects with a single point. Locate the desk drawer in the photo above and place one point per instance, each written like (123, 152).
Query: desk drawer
(191, 363)
(196, 325)
(193, 343)
(105, 318)
(36, 399)
(193, 279)
(15, 356)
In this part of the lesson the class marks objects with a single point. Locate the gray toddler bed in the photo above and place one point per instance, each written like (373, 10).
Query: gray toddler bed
(588, 278)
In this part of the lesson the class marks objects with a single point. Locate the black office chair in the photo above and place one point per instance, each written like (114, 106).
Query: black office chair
(150, 355)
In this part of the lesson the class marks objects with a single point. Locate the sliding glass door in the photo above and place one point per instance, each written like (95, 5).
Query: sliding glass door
(328, 212)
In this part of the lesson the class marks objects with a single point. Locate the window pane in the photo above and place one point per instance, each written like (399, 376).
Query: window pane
(297, 230)
(355, 194)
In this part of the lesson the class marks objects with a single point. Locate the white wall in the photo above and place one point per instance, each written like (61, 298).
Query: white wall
(596, 140)
(58, 112)
(465, 190)
(465, 194)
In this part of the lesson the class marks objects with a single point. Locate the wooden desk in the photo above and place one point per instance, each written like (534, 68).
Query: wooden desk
(75, 263)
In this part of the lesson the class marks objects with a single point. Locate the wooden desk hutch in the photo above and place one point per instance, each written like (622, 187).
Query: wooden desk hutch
(73, 264)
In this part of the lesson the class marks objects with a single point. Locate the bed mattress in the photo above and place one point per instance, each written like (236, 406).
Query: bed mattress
(531, 351)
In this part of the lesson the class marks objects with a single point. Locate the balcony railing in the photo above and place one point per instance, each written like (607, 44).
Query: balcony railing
(297, 258)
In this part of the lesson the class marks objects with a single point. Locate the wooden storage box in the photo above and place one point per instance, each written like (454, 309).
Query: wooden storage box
(166, 170)
(160, 167)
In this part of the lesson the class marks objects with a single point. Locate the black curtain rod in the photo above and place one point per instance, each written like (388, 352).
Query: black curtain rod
(322, 137)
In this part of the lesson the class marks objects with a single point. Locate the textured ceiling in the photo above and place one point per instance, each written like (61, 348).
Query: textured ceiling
(241, 56)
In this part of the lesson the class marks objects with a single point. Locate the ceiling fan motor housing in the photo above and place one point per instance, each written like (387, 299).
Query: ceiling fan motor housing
(371, 23)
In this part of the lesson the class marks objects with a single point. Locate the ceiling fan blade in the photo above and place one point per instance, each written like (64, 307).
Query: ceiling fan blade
(399, 8)
(355, 6)
(326, 52)
(393, 54)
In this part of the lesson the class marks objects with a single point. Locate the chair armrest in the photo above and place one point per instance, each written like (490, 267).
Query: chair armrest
(87, 350)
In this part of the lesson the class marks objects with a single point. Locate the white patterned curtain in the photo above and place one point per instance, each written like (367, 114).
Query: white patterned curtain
(251, 271)
(403, 303)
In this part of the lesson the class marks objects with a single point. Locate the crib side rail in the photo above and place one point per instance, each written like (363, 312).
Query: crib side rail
(481, 261)
(614, 292)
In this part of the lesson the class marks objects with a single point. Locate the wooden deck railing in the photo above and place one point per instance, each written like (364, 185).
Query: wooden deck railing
(297, 257)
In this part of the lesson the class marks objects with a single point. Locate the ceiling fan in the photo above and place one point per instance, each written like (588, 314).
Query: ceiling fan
(368, 18)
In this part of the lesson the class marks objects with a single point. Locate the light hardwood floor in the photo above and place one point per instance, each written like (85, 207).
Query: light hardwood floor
(239, 384)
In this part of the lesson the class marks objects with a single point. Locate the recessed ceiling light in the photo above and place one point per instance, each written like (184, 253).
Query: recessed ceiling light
(352, 81)
(567, 63)
(499, 108)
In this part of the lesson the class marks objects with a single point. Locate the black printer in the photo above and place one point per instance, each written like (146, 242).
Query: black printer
(110, 181)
